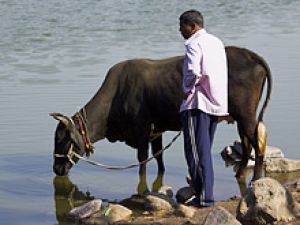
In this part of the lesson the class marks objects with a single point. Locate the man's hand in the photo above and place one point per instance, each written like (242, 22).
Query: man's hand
(186, 95)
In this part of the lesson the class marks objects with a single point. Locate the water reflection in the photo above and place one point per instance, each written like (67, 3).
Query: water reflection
(243, 182)
(66, 197)
(142, 186)
(283, 178)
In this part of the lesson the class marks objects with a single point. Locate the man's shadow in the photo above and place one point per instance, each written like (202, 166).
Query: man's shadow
(66, 197)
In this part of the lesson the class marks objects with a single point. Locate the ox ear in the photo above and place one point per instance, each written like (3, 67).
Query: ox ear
(61, 117)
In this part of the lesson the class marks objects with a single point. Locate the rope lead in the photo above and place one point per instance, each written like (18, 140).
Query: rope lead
(131, 165)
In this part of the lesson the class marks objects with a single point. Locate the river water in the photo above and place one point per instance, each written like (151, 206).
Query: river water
(54, 57)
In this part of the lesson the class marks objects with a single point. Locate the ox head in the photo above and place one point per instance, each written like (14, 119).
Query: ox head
(67, 140)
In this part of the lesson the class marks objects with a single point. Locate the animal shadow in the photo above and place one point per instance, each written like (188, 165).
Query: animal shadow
(66, 197)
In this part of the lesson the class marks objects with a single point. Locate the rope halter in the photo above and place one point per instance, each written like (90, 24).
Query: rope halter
(88, 146)
(69, 155)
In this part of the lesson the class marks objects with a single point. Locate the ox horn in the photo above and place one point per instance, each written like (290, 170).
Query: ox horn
(61, 117)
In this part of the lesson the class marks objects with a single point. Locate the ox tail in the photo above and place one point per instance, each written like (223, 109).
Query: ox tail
(261, 130)
(261, 134)
(262, 62)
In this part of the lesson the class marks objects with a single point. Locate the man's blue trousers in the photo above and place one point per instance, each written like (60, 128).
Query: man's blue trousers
(198, 130)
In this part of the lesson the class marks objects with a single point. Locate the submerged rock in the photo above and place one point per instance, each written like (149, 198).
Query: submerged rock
(267, 202)
(282, 165)
(220, 216)
(86, 210)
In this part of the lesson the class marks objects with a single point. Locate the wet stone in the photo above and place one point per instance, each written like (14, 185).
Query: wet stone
(86, 210)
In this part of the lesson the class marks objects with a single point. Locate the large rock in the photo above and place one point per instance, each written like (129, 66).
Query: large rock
(184, 194)
(158, 202)
(86, 210)
(282, 165)
(220, 216)
(266, 202)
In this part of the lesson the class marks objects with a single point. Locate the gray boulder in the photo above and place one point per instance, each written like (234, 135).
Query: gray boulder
(220, 216)
(266, 202)
(86, 210)
(282, 165)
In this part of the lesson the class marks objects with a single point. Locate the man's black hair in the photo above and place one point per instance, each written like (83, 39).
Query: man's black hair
(192, 17)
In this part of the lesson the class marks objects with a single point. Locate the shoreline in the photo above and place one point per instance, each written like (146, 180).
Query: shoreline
(171, 217)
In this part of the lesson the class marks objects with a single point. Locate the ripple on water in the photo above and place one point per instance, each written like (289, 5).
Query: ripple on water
(37, 81)
(36, 68)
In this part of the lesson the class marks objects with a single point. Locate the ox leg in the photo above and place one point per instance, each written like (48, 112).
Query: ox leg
(259, 161)
(259, 144)
(242, 185)
(156, 145)
(142, 155)
(158, 182)
(245, 158)
(247, 147)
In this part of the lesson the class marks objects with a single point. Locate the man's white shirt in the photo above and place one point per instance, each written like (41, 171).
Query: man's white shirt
(205, 74)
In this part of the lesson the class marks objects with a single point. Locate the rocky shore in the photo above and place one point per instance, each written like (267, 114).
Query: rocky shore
(266, 201)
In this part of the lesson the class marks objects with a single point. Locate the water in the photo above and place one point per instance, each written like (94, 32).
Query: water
(54, 57)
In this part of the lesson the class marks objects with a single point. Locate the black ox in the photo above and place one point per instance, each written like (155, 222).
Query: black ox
(140, 98)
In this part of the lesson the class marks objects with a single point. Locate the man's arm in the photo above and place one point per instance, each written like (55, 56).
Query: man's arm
(193, 65)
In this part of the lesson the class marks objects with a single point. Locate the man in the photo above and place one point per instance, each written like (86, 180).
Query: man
(206, 93)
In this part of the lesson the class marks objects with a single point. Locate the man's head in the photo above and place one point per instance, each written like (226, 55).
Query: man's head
(190, 22)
